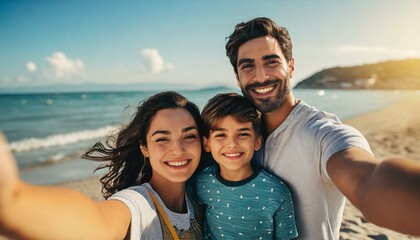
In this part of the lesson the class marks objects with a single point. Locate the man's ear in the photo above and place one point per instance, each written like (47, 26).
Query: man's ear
(206, 144)
(237, 78)
(144, 150)
(291, 67)
(258, 143)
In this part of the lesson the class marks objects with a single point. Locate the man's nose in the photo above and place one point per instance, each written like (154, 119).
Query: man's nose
(260, 74)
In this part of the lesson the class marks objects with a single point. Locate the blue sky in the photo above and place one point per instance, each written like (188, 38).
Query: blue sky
(182, 42)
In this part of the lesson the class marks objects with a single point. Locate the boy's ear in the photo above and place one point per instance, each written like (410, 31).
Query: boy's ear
(206, 144)
(258, 143)
(144, 150)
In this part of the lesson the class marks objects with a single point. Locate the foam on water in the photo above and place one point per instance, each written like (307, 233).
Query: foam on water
(60, 139)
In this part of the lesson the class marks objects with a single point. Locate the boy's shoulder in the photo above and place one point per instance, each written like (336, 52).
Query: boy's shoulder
(275, 183)
(206, 173)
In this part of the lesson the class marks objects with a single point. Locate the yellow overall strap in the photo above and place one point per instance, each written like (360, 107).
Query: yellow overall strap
(164, 216)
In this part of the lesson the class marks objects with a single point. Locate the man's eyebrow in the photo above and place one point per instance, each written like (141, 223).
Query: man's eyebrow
(271, 56)
(245, 60)
(245, 129)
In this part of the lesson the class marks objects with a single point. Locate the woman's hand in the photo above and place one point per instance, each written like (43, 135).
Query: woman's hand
(8, 172)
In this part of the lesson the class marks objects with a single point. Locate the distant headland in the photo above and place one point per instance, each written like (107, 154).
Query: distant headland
(396, 74)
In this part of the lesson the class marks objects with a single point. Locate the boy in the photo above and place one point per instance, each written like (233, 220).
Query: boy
(242, 201)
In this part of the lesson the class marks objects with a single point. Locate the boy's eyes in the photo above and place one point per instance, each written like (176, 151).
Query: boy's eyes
(243, 134)
(219, 135)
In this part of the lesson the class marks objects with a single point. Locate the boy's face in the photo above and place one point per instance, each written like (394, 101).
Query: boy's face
(232, 145)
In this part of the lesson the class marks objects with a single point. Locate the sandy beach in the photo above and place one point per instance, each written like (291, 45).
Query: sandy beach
(394, 131)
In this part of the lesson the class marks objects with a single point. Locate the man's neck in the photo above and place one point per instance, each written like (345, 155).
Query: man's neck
(274, 119)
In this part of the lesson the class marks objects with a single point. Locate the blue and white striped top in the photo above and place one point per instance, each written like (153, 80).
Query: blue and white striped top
(258, 207)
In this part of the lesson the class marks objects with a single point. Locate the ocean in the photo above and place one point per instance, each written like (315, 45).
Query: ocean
(49, 132)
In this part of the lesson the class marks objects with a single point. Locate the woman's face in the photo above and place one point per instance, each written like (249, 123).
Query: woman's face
(173, 145)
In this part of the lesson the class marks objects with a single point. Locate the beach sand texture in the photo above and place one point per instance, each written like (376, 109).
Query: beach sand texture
(394, 131)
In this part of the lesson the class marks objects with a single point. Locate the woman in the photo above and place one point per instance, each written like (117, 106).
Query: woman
(150, 161)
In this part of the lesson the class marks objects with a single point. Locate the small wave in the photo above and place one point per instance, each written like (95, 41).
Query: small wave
(60, 139)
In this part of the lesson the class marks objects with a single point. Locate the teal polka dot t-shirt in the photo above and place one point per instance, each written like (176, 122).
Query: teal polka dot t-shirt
(259, 207)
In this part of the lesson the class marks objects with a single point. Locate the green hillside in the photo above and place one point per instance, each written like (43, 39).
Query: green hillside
(401, 74)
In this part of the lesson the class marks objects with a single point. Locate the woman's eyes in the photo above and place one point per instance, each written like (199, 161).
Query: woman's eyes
(162, 140)
(187, 137)
(191, 136)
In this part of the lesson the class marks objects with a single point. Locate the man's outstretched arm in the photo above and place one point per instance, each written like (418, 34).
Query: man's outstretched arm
(386, 192)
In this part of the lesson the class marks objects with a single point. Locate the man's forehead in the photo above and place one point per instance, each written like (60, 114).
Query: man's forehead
(257, 48)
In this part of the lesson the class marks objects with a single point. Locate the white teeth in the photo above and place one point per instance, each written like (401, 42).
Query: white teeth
(232, 154)
(264, 90)
(177, 164)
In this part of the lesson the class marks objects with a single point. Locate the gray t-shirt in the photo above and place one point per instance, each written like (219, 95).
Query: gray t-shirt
(298, 151)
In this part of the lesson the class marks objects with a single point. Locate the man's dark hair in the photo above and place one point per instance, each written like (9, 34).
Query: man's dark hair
(229, 104)
(255, 28)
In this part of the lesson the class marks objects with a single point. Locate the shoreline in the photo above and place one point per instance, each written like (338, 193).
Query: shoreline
(392, 131)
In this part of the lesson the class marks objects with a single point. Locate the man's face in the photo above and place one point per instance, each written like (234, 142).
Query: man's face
(263, 73)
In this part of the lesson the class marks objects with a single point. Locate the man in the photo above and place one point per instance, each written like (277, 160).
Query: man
(322, 159)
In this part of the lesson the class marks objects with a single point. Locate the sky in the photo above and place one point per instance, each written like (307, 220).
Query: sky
(182, 43)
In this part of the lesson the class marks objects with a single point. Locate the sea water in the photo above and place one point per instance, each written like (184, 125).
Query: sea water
(49, 132)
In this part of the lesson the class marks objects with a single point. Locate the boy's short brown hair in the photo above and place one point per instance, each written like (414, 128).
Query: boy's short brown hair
(230, 104)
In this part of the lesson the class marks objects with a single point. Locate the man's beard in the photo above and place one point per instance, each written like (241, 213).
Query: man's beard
(265, 105)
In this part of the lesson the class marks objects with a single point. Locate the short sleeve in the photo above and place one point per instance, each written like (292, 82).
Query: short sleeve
(284, 219)
(142, 214)
(338, 137)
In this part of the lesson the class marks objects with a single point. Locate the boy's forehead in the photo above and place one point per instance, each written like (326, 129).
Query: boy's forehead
(228, 122)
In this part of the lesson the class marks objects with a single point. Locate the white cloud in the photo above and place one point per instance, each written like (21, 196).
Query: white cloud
(374, 49)
(156, 63)
(63, 66)
(22, 79)
(31, 67)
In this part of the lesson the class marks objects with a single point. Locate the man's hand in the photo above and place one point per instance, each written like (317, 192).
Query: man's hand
(386, 192)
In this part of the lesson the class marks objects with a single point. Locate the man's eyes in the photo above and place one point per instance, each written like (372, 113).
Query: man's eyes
(246, 66)
(269, 63)
(272, 63)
